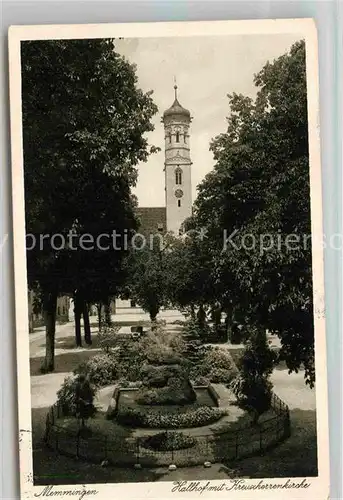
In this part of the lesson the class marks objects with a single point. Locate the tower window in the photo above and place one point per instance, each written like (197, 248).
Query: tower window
(185, 138)
(178, 176)
(177, 137)
(179, 203)
(169, 137)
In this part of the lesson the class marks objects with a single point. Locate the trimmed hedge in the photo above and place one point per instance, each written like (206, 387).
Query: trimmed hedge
(198, 417)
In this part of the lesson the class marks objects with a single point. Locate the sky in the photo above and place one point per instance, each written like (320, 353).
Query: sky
(206, 70)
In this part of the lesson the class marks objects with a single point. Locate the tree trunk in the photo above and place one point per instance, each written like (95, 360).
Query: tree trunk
(193, 316)
(99, 311)
(201, 317)
(108, 312)
(228, 323)
(77, 314)
(216, 317)
(255, 418)
(31, 328)
(49, 305)
(153, 314)
(86, 324)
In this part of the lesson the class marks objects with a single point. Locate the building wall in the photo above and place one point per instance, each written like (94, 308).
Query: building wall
(152, 220)
(36, 318)
(178, 209)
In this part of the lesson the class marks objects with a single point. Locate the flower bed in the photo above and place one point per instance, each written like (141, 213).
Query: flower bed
(168, 441)
(197, 417)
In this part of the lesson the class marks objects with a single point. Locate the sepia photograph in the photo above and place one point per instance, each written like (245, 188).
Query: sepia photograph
(168, 259)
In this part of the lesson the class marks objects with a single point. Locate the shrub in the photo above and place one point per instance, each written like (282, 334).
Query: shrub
(197, 417)
(107, 337)
(253, 394)
(194, 330)
(68, 396)
(123, 383)
(166, 385)
(84, 399)
(131, 357)
(168, 441)
(220, 359)
(102, 370)
(158, 347)
(168, 395)
(221, 376)
(216, 365)
(257, 358)
(156, 376)
(200, 380)
(163, 347)
(252, 387)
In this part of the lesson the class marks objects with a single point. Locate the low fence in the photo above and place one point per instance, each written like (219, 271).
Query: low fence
(225, 446)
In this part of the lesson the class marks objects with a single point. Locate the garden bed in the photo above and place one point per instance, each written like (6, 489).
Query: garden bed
(149, 417)
(203, 411)
(128, 397)
(121, 445)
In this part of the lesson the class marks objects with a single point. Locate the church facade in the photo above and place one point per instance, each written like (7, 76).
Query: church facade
(178, 175)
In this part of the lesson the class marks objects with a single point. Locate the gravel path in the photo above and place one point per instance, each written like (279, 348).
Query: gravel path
(291, 388)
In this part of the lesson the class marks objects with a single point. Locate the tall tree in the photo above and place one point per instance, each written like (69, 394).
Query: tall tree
(146, 279)
(259, 193)
(84, 125)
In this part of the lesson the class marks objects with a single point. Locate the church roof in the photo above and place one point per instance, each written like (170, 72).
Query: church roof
(152, 220)
(176, 108)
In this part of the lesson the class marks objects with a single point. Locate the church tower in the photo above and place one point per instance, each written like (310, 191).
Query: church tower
(177, 165)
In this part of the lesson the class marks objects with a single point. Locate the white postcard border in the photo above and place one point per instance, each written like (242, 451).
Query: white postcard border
(318, 487)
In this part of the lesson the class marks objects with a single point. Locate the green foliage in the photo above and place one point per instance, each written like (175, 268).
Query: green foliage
(163, 346)
(188, 272)
(107, 337)
(215, 365)
(252, 386)
(196, 331)
(257, 359)
(200, 380)
(84, 397)
(66, 396)
(131, 358)
(260, 186)
(253, 394)
(197, 417)
(165, 377)
(101, 370)
(168, 441)
(146, 279)
(178, 392)
(70, 394)
(157, 376)
(158, 347)
(84, 126)
(221, 376)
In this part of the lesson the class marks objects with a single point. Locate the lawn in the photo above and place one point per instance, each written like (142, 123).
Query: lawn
(296, 457)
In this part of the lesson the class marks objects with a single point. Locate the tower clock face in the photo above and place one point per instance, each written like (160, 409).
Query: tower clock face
(179, 193)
